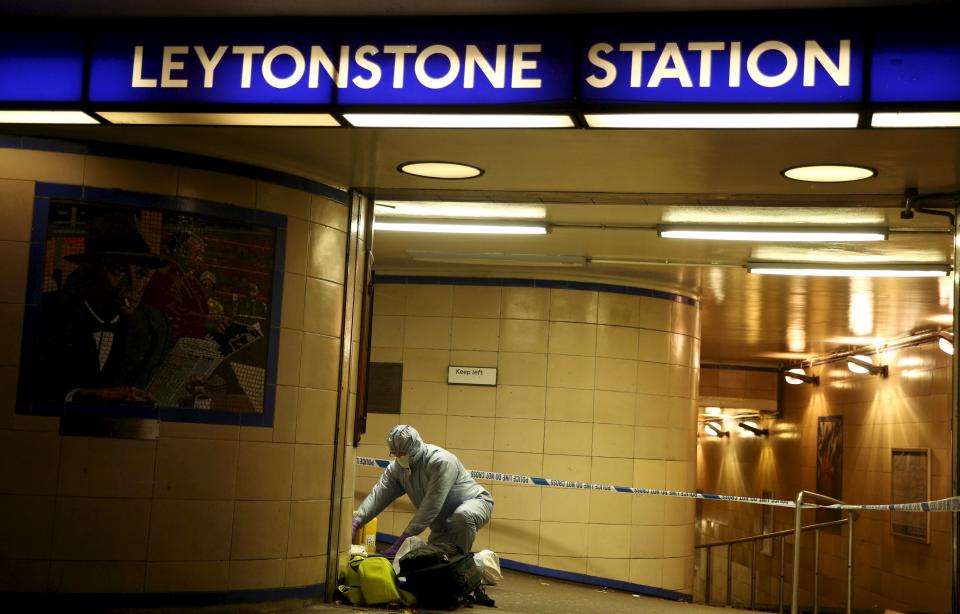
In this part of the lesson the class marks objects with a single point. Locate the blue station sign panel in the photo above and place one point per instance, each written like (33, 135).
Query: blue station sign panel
(41, 67)
(444, 67)
(721, 65)
(241, 68)
(915, 65)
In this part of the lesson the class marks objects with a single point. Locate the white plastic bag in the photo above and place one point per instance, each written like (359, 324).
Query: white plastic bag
(489, 564)
(411, 543)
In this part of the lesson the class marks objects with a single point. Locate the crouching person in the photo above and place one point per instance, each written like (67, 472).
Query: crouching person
(447, 499)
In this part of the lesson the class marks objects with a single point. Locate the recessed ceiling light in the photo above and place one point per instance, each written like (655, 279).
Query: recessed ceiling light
(445, 209)
(220, 119)
(782, 232)
(915, 120)
(456, 227)
(46, 117)
(440, 170)
(456, 120)
(821, 269)
(722, 120)
(829, 173)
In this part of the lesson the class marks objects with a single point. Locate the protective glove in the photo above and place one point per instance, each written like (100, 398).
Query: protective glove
(354, 530)
(392, 550)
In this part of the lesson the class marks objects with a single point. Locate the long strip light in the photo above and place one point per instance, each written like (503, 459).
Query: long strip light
(473, 210)
(45, 117)
(915, 120)
(456, 120)
(722, 120)
(450, 227)
(318, 120)
(848, 270)
(793, 233)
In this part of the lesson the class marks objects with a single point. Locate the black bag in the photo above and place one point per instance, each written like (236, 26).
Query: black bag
(442, 577)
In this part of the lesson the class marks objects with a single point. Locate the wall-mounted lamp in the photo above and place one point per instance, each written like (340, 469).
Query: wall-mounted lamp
(864, 364)
(798, 376)
(715, 429)
(945, 341)
(754, 428)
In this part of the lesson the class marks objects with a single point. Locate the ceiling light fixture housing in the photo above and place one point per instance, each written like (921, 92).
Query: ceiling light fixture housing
(440, 170)
(460, 227)
(722, 120)
(787, 233)
(714, 428)
(828, 173)
(498, 259)
(861, 363)
(945, 342)
(818, 269)
(798, 376)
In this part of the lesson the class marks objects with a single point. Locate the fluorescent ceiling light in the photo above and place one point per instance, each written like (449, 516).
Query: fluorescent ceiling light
(722, 120)
(220, 119)
(451, 227)
(848, 270)
(829, 173)
(712, 411)
(498, 259)
(440, 170)
(46, 117)
(793, 233)
(456, 120)
(915, 120)
(475, 210)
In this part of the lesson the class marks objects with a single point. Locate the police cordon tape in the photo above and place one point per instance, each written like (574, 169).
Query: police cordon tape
(951, 504)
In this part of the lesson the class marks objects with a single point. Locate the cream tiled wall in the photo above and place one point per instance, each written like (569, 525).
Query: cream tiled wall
(204, 507)
(592, 386)
(911, 408)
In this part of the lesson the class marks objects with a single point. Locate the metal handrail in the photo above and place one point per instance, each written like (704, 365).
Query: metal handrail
(763, 536)
(756, 538)
(851, 517)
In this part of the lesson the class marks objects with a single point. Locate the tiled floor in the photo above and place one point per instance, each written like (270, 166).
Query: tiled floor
(518, 593)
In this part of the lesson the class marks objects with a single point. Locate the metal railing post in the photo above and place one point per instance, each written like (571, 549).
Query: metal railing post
(783, 543)
(795, 589)
(729, 574)
(706, 597)
(851, 517)
(816, 572)
(753, 575)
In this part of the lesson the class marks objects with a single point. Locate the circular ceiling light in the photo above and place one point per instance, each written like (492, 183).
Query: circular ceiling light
(440, 170)
(829, 173)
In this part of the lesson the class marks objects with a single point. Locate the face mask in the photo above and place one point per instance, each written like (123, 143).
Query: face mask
(404, 461)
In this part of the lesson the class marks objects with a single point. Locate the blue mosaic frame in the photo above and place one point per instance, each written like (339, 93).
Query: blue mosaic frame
(44, 193)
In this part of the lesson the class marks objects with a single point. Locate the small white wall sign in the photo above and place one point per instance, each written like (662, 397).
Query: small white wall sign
(472, 376)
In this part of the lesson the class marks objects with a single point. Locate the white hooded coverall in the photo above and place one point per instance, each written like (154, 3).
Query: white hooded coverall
(447, 499)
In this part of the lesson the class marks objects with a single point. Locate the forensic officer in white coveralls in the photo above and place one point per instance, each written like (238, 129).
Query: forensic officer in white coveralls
(447, 499)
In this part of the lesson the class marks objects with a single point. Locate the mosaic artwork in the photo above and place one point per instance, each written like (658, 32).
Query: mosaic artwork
(830, 465)
(153, 307)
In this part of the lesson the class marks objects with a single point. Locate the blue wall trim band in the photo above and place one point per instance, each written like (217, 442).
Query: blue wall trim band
(535, 283)
(98, 601)
(176, 158)
(570, 576)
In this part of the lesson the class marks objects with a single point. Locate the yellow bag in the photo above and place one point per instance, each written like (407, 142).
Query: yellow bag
(372, 581)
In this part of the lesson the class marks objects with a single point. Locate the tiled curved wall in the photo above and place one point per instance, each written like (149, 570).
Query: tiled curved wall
(594, 385)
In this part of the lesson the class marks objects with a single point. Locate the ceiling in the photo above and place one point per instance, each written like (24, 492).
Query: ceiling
(594, 183)
(247, 8)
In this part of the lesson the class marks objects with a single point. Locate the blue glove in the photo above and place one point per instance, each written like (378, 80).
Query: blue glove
(392, 550)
